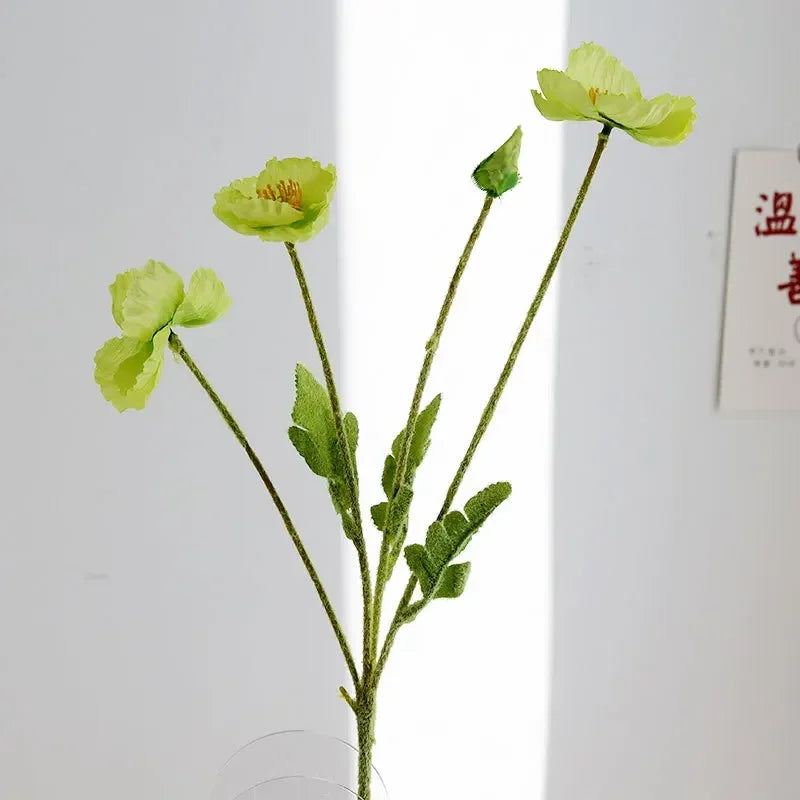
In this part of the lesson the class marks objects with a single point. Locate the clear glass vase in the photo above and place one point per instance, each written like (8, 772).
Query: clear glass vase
(294, 765)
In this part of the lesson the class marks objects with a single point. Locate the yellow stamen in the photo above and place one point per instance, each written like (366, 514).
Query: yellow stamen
(593, 95)
(284, 192)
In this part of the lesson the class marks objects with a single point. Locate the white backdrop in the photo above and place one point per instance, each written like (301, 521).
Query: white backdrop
(676, 656)
(145, 577)
(464, 704)
(145, 580)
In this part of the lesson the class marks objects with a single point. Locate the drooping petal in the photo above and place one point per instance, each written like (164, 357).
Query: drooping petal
(673, 129)
(631, 112)
(205, 301)
(119, 291)
(553, 110)
(314, 220)
(567, 92)
(127, 370)
(595, 68)
(143, 300)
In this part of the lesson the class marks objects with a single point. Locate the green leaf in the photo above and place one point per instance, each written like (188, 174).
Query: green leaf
(447, 539)
(351, 433)
(306, 446)
(340, 495)
(479, 507)
(206, 300)
(349, 525)
(314, 437)
(313, 419)
(398, 516)
(378, 514)
(418, 563)
(420, 441)
(454, 580)
(398, 520)
(389, 470)
(397, 524)
(420, 437)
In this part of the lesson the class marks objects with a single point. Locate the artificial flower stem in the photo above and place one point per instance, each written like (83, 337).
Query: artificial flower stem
(394, 627)
(176, 345)
(352, 483)
(405, 448)
(401, 614)
(488, 412)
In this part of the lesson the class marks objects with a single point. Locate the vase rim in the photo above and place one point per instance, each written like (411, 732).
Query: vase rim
(301, 732)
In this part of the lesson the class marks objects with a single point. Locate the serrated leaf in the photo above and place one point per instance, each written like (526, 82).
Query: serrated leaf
(312, 414)
(349, 526)
(314, 436)
(420, 436)
(351, 433)
(421, 440)
(399, 510)
(387, 479)
(307, 448)
(340, 496)
(418, 563)
(479, 507)
(378, 514)
(448, 538)
(454, 580)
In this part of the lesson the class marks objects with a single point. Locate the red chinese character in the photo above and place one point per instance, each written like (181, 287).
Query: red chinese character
(781, 222)
(792, 286)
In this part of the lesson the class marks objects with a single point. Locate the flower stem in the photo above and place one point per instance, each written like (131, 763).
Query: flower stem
(176, 345)
(365, 726)
(384, 572)
(488, 411)
(400, 616)
(350, 471)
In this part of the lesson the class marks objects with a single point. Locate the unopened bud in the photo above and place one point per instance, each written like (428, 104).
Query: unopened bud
(498, 173)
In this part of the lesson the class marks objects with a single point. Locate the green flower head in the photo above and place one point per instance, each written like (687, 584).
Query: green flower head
(596, 86)
(146, 303)
(498, 173)
(288, 201)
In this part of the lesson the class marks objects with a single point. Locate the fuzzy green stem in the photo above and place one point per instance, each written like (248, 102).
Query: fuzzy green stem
(344, 449)
(176, 345)
(405, 448)
(397, 622)
(401, 614)
(488, 411)
(365, 725)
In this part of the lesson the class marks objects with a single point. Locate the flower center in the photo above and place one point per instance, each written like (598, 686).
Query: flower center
(593, 95)
(284, 192)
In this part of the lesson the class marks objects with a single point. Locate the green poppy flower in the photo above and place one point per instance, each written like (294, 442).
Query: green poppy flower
(146, 303)
(596, 86)
(288, 201)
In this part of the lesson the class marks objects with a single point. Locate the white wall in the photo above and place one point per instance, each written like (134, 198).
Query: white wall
(145, 579)
(427, 93)
(677, 642)
(153, 615)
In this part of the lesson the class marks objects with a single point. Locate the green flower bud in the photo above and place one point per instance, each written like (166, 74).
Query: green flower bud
(498, 173)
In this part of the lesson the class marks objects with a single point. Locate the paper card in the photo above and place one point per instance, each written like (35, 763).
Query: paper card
(760, 368)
